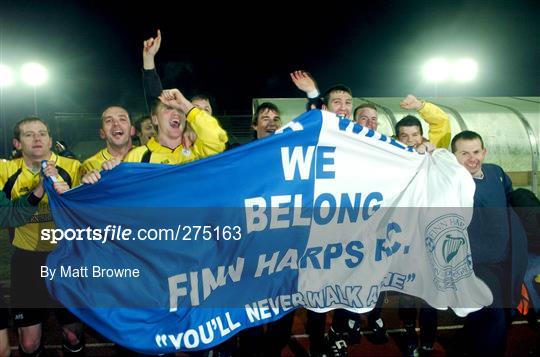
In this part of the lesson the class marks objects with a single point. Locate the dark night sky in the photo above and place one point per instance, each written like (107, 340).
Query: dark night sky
(235, 53)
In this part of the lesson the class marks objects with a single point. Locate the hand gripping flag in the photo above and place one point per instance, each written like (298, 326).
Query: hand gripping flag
(325, 214)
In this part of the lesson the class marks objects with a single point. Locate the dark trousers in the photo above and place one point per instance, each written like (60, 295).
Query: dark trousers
(485, 332)
(427, 319)
(315, 326)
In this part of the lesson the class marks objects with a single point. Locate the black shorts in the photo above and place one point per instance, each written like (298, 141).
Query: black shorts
(4, 318)
(30, 299)
(4, 313)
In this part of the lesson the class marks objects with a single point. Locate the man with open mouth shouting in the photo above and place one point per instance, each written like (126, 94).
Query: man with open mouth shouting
(116, 130)
(170, 113)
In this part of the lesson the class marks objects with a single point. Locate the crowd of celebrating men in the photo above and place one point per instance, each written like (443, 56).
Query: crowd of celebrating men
(178, 130)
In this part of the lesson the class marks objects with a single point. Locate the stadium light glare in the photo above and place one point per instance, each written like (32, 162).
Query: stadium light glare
(34, 74)
(464, 70)
(6, 76)
(436, 70)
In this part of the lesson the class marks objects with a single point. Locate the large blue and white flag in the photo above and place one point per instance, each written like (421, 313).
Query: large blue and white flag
(325, 214)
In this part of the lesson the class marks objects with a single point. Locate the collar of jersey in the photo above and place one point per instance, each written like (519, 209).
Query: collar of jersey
(154, 146)
(106, 154)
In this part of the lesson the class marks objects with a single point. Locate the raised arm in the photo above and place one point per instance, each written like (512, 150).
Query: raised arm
(211, 138)
(151, 81)
(305, 82)
(175, 99)
(439, 123)
(150, 49)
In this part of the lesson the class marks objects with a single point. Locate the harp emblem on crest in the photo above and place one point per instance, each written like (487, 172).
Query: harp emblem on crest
(451, 247)
(448, 250)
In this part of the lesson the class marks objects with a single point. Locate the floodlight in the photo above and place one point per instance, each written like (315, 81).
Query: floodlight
(464, 70)
(34, 74)
(436, 70)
